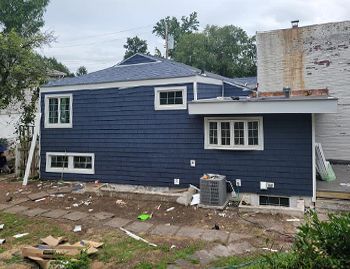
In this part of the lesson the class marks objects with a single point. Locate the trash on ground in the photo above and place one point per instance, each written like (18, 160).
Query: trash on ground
(75, 205)
(144, 217)
(47, 254)
(158, 207)
(136, 237)
(39, 200)
(2, 241)
(91, 209)
(270, 249)
(172, 246)
(2, 226)
(120, 202)
(170, 209)
(77, 228)
(344, 184)
(20, 235)
(61, 195)
(222, 214)
(293, 220)
(186, 197)
(216, 227)
(195, 199)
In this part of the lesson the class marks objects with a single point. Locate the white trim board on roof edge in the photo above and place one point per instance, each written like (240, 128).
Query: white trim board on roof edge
(214, 107)
(136, 83)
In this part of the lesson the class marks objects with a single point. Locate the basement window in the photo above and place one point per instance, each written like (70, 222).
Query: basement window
(274, 201)
(77, 163)
(234, 133)
(169, 98)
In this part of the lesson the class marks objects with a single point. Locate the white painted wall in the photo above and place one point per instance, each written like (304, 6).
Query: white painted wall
(312, 57)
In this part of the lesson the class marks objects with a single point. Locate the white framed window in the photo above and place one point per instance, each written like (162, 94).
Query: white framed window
(168, 98)
(64, 162)
(234, 133)
(58, 110)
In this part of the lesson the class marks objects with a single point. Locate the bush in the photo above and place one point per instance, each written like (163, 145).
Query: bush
(318, 245)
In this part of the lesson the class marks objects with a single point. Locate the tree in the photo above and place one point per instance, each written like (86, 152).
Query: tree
(81, 71)
(226, 50)
(25, 17)
(176, 28)
(135, 45)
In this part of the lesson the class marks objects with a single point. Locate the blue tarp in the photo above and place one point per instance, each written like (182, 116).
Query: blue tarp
(3, 148)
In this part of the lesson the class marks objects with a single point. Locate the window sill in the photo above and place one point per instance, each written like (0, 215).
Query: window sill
(53, 126)
(259, 148)
(70, 171)
(170, 107)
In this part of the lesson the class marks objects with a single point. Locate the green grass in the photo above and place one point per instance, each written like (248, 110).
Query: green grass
(251, 262)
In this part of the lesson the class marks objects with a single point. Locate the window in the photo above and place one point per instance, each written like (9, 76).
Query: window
(62, 162)
(274, 201)
(234, 133)
(58, 111)
(167, 98)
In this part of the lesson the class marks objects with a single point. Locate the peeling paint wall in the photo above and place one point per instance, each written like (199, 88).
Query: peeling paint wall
(312, 57)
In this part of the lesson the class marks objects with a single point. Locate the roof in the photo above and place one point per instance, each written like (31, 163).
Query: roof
(139, 67)
(258, 105)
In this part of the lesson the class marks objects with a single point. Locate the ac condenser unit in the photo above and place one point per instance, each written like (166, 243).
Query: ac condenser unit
(213, 191)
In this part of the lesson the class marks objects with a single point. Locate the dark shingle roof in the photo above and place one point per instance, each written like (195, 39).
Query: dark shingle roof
(146, 67)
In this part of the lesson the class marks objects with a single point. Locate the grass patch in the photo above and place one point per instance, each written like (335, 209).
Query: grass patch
(251, 262)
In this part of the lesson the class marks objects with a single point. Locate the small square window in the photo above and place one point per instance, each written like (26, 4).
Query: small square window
(170, 98)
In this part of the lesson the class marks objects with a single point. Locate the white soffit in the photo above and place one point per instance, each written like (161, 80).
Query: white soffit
(269, 106)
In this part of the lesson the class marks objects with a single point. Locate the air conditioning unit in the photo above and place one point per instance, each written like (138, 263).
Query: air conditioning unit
(213, 191)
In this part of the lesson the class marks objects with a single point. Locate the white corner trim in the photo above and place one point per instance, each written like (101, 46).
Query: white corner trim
(46, 111)
(195, 90)
(313, 159)
(70, 169)
(158, 90)
(232, 146)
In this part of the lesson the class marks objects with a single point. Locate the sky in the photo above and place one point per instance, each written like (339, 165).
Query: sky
(92, 32)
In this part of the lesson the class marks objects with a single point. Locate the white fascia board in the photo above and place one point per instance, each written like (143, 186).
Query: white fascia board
(130, 84)
(261, 107)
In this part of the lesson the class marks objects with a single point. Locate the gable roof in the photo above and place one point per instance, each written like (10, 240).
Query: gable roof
(139, 67)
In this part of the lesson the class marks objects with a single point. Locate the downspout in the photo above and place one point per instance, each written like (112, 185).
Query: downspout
(195, 89)
(222, 89)
(313, 160)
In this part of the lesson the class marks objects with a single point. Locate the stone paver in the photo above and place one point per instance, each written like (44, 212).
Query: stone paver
(165, 230)
(203, 256)
(190, 232)
(5, 206)
(139, 227)
(38, 195)
(117, 222)
(103, 215)
(240, 248)
(34, 212)
(215, 235)
(234, 237)
(16, 209)
(75, 215)
(55, 214)
(19, 201)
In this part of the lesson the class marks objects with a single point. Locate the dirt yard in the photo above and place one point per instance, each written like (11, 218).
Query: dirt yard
(120, 251)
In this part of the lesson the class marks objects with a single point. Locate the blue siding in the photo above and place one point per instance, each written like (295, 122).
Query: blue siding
(137, 59)
(134, 144)
(205, 91)
(230, 90)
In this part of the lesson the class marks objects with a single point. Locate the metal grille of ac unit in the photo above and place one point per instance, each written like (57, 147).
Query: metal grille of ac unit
(213, 191)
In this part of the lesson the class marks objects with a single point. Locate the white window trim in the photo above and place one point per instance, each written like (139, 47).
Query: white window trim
(58, 125)
(158, 106)
(232, 146)
(70, 168)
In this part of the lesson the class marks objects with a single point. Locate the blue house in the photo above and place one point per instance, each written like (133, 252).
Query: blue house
(153, 121)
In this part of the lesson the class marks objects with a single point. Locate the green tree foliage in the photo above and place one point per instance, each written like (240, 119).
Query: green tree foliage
(25, 17)
(177, 28)
(226, 50)
(135, 45)
(81, 71)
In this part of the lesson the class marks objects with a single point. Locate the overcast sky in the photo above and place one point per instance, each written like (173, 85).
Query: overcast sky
(92, 32)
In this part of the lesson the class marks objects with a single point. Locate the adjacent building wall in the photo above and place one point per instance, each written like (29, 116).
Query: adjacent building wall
(312, 57)
(135, 144)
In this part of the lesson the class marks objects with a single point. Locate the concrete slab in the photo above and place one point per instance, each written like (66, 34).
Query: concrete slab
(139, 227)
(103, 215)
(234, 237)
(34, 212)
(75, 215)
(5, 206)
(215, 235)
(165, 230)
(190, 232)
(240, 248)
(55, 214)
(37, 195)
(16, 209)
(203, 256)
(117, 222)
(19, 201)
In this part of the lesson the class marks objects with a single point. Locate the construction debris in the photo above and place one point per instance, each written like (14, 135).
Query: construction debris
(170, 209)
(120, 202)
(2, 241)
(39, 200)
(53, 249)
(186, 198)
(136, 237)
(2, 226)
(144, 217)
(20, 235)
(77, 228)
(293, 220)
